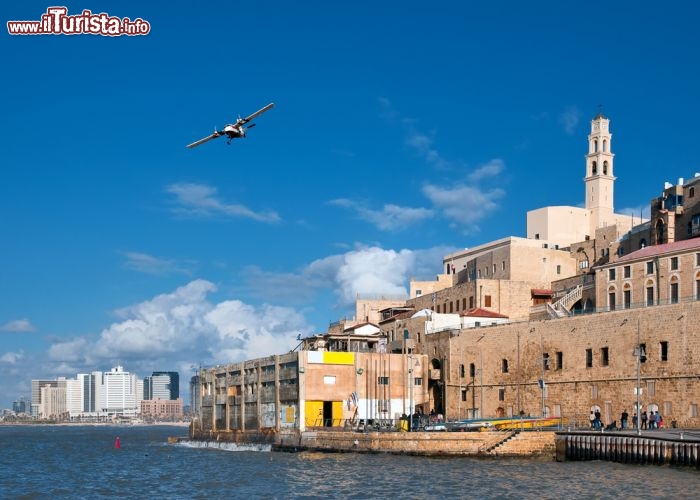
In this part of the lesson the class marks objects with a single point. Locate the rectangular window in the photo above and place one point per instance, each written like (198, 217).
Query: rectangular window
(663, 349)
(583, 264)
(674, 263)
(560, 360)
(650, 296)
(693, 410)
(438, 308)
(545, 361)
(651, 387)
(594, 391)
(627, 271)
(501, 394)
(383, 380)
(604, 360)
(611, 274)
(418, 381)
(697, 259)
(464, 304)
(487, 301)
(589, 358)
(479, 273)
(329, 379)
(494, 269)
(461, 371)
(472, 370)
(558, 269)
(503, 265)
(628, 298)
(471, 302)
(504, 366)
(650, 267)
(611, 301)
(667, 408)
(674, 293)
(464, 394)
(451, 306)
(419, 293)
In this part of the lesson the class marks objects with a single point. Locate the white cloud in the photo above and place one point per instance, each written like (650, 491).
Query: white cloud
(569, 119)
(492, 168)
(183, 328)
(11, 358)
(365, 270)
(201, 200)
(464, 204)
(149, 264)
(642, 211)
(18, 325)
(390, 218)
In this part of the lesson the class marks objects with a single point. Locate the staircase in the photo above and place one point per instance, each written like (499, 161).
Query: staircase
(562, 307)
(533, 443)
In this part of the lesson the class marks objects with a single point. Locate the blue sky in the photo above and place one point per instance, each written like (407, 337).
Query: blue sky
(402, 131)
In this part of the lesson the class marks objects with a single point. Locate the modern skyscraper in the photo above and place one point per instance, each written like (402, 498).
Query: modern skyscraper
(162, 385)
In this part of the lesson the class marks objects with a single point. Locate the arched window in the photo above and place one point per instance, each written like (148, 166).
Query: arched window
(673, 290)
(595, 146)
(650, 292)
(605, 167)
(691, 192)
(627, 296)
(605, 146)
(594, 168)
(659, 232)
(642, 243)
(611, 298)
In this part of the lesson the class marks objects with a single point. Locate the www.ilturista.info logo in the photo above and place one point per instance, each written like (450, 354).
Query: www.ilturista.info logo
(56, 21)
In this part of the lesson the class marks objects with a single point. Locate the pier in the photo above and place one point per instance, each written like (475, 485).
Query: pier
(658, 447)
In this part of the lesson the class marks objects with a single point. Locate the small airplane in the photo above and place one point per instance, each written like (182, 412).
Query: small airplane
(233, 130)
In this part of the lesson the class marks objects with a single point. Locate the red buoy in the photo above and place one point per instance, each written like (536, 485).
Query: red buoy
(117, 444)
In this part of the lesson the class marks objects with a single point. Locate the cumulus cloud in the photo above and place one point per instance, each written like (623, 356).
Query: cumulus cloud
(149, 264)
(390, 217)
(465, 205)
(569, 119)
(202, 200)
(364, 270)
(183, 328)
(18, 325)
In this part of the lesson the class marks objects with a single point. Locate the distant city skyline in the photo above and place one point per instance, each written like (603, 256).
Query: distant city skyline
(398, 136)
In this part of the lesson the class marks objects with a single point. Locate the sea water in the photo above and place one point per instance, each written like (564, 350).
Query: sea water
(76, 462)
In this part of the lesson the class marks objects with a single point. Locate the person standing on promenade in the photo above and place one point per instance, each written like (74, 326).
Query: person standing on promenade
(644, 419)
(635, 421)
(652, 420)
(623, 419)
(592, 419)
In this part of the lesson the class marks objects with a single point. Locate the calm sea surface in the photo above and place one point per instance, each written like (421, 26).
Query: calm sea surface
(82, 462)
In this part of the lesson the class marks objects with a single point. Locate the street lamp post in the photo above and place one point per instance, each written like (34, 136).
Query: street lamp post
(639, 352)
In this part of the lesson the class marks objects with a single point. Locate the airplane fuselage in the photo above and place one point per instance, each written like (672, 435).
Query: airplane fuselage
(234, 131)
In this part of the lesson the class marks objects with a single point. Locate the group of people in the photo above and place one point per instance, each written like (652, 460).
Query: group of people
(651, 420)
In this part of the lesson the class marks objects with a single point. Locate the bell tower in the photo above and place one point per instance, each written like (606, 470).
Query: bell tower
(600, 181)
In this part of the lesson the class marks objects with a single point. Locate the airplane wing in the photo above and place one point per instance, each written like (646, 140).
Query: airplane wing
(258, 113)
(206, 139)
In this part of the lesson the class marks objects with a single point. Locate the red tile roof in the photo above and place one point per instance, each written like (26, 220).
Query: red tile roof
(654, 250)
(478, 312)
